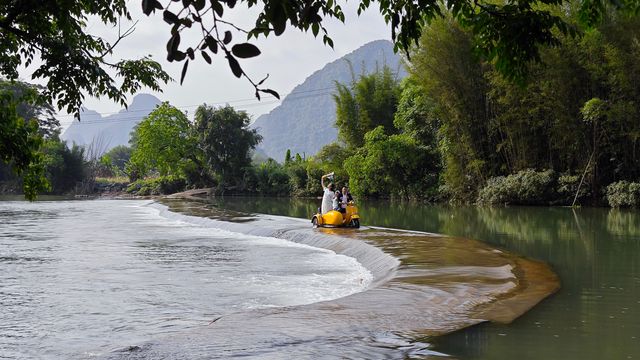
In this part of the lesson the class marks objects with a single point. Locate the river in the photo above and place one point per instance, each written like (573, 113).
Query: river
(79, 279)
(595, 252)
(137, 280)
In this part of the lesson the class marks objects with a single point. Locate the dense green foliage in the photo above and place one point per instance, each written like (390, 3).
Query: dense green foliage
(225, 141)
(169, 153)
(162, 143)
(64, 167)
(391, 165)
(157, 185)
(576, 115)
(623, 194)
(268, 178)
(116, 159)
(25, 120)
(368, 102)
(527, 187)
(75, 63)
(389, 139)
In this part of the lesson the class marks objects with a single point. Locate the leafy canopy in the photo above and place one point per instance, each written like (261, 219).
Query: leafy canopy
(577, 115)
(162, 142)
(391, 165)
(225, 140)
(20, 141)
(365, 104)
(74, 62)
(510, 34)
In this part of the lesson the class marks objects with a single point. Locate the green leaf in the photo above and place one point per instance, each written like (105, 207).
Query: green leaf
(279, 22)
(234, 65)
(245, 50)
(227, 37)
(212, 43)
(217, 7)
(169, 17)
(199, 4)
(149, 6)
(173, 43)
(272, 92)
(206, 56)
(327, 40)
(184, 71)
(178, 55)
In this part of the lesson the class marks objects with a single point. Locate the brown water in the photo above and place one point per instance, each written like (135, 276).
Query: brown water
(595, 252)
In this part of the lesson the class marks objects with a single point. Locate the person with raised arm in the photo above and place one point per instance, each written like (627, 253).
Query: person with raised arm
(327, 197)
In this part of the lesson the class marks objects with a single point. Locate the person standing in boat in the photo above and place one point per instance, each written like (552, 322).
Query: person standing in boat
(327, 197)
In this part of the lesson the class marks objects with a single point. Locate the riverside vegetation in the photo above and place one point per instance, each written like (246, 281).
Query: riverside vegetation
(455, 130)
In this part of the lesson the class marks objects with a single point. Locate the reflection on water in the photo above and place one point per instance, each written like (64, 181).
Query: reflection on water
(596, 253)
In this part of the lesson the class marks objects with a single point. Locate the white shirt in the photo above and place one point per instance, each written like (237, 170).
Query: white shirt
(327, 200)
(336, 203)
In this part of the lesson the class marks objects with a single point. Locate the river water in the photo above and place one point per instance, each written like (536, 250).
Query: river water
(133, 280)
(81, 278)
(595, 252)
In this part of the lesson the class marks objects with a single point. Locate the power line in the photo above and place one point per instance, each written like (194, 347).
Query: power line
(254, 102)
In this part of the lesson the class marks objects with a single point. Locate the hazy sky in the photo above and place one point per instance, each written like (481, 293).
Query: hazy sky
(288, 59)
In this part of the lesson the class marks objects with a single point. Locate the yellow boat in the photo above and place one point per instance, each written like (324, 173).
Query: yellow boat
(337, 219)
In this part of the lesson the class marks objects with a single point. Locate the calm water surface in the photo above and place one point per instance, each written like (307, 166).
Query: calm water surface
(596, 253)
(82, 278)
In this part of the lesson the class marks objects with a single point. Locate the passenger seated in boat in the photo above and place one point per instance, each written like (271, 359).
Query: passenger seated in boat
(345, 198)
(336, 201)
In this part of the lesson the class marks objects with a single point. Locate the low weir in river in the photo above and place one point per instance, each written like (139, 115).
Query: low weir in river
(423, 285)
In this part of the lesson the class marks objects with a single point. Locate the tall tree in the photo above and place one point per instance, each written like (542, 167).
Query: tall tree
(33, 106)
(366, 103)
(162, 142)
(76, 63)
(392, 165)
(579, 100)
(448, 72)
(223, 136)
(20, 141)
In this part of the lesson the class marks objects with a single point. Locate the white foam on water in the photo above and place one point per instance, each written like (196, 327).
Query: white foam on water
(324, 276)
(87, 275)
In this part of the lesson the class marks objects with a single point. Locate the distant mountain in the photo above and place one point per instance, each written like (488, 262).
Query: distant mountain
(112, 130)
(304, 122)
